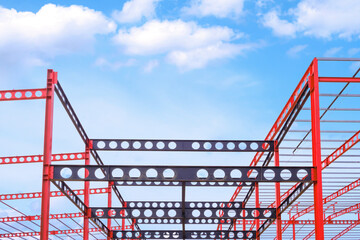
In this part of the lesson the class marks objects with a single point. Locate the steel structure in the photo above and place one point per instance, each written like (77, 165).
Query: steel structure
(301, 183)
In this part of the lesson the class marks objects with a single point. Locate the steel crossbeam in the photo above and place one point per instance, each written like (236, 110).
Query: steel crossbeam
(171, 234)
(181, 173)
(183, 145)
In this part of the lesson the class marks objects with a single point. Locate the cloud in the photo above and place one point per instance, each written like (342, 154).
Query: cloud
(135, 10)
(353, 51)
(318, 18)
(116, 65)
(220, 9)
(151, 65)
(280, 27)
(292, 52)
(180, 41)
(332, 51)
(199, 57)
(33, 38)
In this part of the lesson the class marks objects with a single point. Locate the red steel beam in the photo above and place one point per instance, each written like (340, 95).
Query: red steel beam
(37, 217)
(343, 232)
(344, 211)
(69, 231)
(335, 215)
(341, 150)
(316, 151)
(277, 195)
(339, 79)
(39, 158)
(86, 193)
(46, 177)
(16, 196)
(289, 106)
(22, 94)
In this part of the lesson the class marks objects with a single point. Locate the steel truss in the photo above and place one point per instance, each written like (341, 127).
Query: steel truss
(234, 213)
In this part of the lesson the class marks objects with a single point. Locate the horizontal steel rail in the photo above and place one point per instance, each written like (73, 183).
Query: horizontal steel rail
(183, 145)
(181, 173)
(173, 234)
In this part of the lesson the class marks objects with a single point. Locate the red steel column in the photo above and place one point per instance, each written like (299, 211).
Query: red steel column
(49, 113)
(109, 203)
(316, 150)
(87, 191)
(293, 225)
(277, 196)
(257, 205)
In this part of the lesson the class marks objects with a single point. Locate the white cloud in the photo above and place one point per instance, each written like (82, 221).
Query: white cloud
(199, 57)
(54, 30)
(151, 65)
(322, 19)
(280, 27)
(332, 51)
(353, 51)
(180, 40)
(292, 52)
(135, 10)
(220, 9)
(116, 65)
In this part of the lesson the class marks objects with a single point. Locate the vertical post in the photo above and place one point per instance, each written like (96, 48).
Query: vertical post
(110, 184)
(183, 198)
(316, 150)
(277, 196)
(49, 113)
(87, 190)
(257, 205)
(293, 228)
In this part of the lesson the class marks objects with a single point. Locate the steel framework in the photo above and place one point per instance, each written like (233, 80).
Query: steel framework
(283, 186)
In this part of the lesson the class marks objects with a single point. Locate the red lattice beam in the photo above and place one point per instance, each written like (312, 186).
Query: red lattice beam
(39, 158)
(341, 150)
(69, 231)
(23, 94)
(37, 217)
(16, 196)
(335, 215)
(343, 232)
(344, 211)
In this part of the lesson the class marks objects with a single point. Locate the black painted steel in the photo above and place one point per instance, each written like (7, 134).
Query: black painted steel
(66, 190)
(183, 145)
(298, 191)
(181, 173)
(187, 184)
(171, 234)
(183, 213)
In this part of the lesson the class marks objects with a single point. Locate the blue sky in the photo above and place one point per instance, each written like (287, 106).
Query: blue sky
(162, 69)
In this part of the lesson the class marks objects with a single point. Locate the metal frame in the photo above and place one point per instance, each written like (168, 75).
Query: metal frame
(308, 88)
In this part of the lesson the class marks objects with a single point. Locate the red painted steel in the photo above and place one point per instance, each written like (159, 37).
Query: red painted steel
(335, 215)
(257, 205)
(294, 230)
(39, 158)
(344, 211)
(37, 217)
(109, 198)
(289, 106)
(343, 232)
(69, 231)
(339, 79)
(341, 150)
(23, 94)
(49, 114)
(16, 196)
(277, 194)
(316, 150)
(86, 193)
